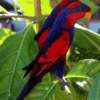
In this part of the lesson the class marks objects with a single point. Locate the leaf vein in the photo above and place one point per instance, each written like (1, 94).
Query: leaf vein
(17, 56)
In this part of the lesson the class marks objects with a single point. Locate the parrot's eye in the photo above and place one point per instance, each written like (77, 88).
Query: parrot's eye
(81, 9)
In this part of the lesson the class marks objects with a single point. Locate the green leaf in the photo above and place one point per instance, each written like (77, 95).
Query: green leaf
(84, 72)
(47, 78)
(99, 31)
(87, 43)
(94, 93)
(67, 57)
(42, 91)
(41, 19)
(4, 33)
(73, 91)
(28, 7)
(87, 39)
(60, 94)
(16, 52)
(45, 7)
(2, 9)
(15, 9)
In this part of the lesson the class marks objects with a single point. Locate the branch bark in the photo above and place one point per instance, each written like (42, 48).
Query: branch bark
(18, 16)
(37, 7)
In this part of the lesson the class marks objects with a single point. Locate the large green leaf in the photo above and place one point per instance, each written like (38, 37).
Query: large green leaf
(28, 6)
(87, 43)
(68, 94)
(16, 52)
(2, 9)
(73, 91)
(60, 94)
(43, 91)
(85, 38)
(94, 93)
(84, 72)
(4, 33)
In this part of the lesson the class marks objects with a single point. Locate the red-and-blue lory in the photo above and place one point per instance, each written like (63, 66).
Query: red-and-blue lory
(42, 34)
(56, 44)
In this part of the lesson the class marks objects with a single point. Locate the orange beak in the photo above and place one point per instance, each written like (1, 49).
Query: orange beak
(87, 15)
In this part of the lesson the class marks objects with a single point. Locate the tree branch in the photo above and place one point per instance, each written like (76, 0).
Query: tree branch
(37, 7)
(18, 16)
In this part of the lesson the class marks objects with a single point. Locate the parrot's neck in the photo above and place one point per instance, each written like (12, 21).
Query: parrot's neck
(51, 18)
(71, 33)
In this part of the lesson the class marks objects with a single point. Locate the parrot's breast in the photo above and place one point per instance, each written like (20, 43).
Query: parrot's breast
(62, 43)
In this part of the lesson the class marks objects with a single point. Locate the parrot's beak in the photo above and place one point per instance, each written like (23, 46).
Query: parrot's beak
(87, 15)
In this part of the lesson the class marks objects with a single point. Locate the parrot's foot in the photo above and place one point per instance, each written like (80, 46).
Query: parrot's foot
(63, 83)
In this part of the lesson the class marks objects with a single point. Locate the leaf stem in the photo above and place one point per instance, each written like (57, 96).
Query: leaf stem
(74, 76)
(15, 9)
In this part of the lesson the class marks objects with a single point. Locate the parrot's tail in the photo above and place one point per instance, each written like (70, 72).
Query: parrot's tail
(29, 67)
(29, 85)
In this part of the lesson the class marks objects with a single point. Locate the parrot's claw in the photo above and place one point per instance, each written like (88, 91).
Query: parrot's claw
(63, 83)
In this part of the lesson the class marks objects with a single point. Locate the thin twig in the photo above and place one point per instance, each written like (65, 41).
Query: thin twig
(18, 16)
(15, 9)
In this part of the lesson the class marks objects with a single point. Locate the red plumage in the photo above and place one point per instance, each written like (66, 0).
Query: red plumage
(58, 48)
(55, 46)
(42, 37)
(42, 34)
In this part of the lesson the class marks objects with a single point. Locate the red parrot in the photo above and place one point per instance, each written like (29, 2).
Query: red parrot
(43, 32)
(56, 44)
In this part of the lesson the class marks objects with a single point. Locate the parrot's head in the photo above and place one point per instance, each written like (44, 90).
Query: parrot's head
(76, 11)
(63, 4)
